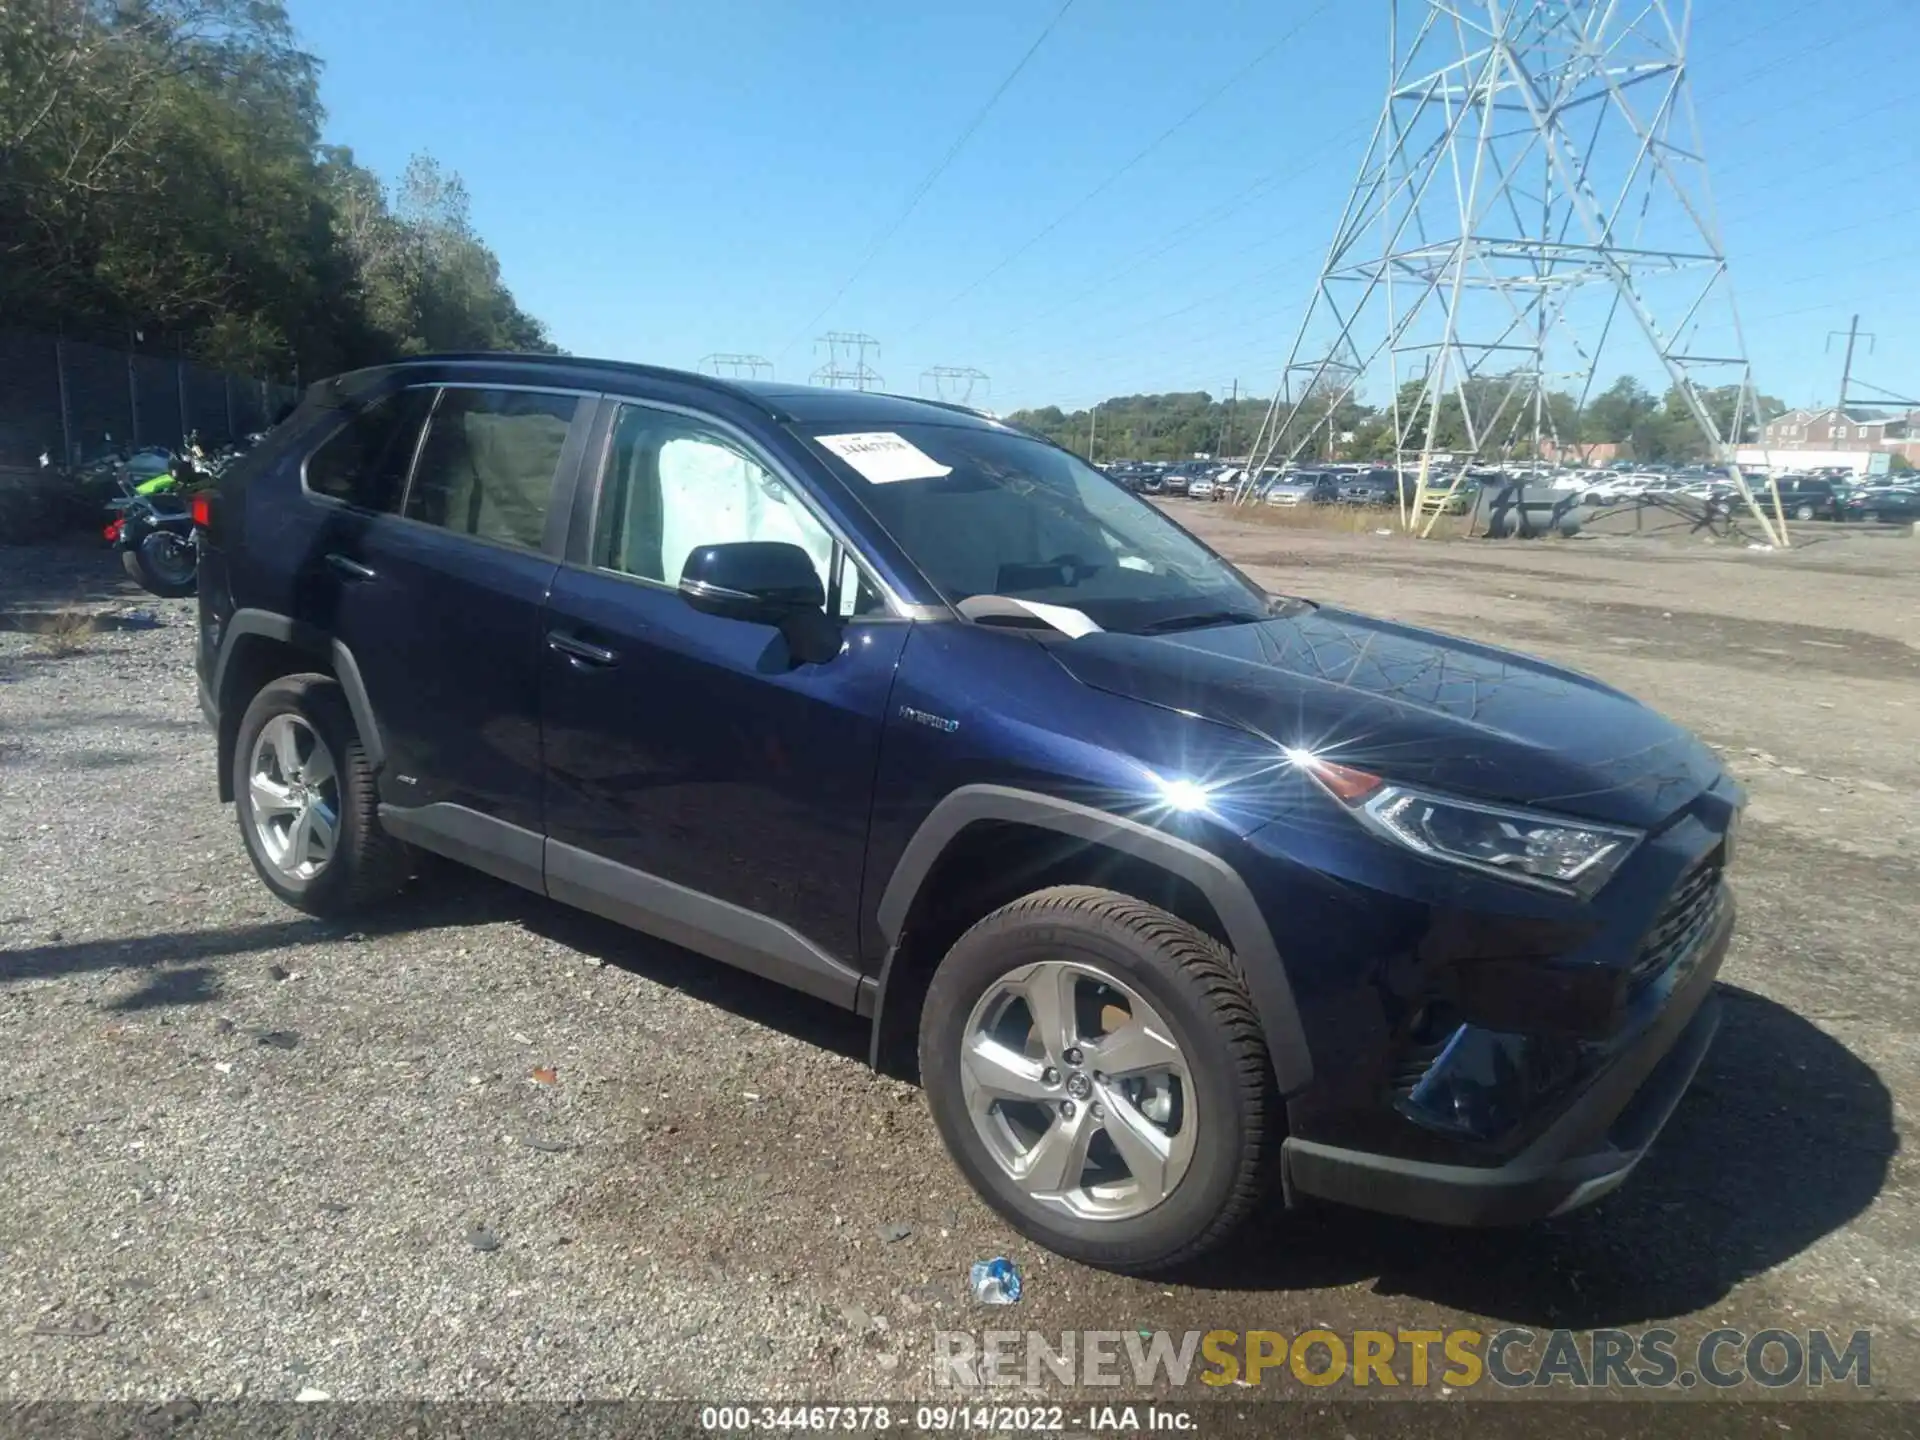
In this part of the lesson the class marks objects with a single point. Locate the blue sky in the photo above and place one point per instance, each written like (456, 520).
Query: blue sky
(666, 180)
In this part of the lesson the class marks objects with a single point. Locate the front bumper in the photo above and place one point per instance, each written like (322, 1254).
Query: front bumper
(1589, 1150)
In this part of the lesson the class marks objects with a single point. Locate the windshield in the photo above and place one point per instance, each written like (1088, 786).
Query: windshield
(993, 512)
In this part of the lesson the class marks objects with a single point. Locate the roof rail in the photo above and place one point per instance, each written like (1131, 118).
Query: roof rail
(955, 406)
(585, 362)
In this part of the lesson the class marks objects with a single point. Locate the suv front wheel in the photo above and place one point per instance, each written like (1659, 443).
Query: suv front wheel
(306, 800)
(1098, 1072)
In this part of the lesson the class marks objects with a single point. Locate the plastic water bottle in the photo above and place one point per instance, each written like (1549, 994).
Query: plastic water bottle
(995, 1282)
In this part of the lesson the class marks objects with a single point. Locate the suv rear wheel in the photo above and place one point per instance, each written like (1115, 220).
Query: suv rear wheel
(306, 800)
(1098, 1072)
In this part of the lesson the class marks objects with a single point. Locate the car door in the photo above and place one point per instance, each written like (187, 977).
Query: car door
(700, 785)
(433, 582)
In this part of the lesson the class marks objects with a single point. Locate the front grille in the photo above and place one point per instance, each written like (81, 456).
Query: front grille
(1689, 913)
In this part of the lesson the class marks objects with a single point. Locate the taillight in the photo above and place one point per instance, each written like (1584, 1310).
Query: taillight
(202, 507)
(112, 532)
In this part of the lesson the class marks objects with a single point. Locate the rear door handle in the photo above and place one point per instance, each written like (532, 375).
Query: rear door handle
(352, 569)
(581, 652)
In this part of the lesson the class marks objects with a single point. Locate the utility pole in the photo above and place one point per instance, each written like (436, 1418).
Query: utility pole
(1879, 396)
(846, 367)
(1852, 332)
(1226, 430)
(1093, 425)
(1854, 335)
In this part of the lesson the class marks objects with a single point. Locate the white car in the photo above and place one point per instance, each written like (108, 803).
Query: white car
(1622, 487)
(1201, 487)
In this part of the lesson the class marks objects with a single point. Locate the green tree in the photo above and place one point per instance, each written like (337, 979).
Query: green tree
(1611, 416)
(160, 169)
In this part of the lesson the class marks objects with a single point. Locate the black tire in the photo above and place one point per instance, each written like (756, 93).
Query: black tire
(1195, 983)
(367, 864)
(153, 569)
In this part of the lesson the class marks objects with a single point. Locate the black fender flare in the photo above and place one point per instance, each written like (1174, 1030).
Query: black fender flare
(1247, 931)
(270, 625)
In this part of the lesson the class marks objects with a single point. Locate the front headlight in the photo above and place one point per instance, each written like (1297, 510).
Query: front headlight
(1554, 852)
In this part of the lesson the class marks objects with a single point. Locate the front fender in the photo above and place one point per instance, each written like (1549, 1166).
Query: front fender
(1247, 932)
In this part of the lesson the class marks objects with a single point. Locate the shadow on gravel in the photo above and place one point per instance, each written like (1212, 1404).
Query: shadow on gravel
(751, 998)
(451, 895)
(157, 952)
(186, 970)
(1785, 1136)
(82, 570)
(190, 985)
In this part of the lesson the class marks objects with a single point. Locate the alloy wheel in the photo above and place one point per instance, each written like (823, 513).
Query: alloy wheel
(293, 793)
(1079, 1090)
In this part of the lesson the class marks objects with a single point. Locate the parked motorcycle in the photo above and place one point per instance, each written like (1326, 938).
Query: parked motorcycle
(153, 531)
(152, 516)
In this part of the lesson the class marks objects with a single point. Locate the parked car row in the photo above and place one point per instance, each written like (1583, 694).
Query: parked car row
(1191, 479)
(1814, 495)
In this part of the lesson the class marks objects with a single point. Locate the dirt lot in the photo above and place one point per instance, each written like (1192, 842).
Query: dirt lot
(247, 1153)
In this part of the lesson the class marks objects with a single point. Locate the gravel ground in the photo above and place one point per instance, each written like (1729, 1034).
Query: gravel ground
(486, 1148)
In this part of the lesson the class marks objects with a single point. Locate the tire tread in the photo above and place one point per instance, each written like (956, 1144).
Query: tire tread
(375, 865)
(1215, 973)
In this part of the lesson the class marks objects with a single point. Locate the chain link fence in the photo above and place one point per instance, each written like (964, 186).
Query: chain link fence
(73, 401)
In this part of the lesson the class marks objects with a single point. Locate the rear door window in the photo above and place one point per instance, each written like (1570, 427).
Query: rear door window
(488, 462)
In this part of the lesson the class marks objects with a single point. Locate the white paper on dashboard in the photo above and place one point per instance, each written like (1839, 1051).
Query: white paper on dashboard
(883, 458)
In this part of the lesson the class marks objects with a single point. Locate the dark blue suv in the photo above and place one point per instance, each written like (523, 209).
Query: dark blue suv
(1178, 888)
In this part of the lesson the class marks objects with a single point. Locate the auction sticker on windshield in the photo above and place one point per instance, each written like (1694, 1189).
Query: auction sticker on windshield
(882, 457)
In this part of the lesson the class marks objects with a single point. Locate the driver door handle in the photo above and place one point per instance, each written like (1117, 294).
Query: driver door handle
(581, 652)
(352, 569)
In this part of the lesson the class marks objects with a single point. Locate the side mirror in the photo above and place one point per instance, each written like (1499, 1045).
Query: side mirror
(764, 582)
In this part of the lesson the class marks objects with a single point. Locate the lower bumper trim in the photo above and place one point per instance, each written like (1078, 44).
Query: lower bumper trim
(1539, 1182)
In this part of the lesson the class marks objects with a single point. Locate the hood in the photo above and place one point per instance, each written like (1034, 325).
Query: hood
(1415, 706)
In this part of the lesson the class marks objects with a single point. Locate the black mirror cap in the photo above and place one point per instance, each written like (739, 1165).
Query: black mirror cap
(762, 581)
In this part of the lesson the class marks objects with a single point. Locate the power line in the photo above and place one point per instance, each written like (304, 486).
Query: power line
(1850, 34)
(1773, 159)
(1185, 234)
(920, 192)
(1116, 175)
(1233, 290)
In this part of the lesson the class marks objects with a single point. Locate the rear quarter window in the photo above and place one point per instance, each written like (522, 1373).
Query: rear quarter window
(364, 462)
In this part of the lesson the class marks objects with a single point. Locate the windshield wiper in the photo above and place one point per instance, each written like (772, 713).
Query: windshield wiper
(1200, 620)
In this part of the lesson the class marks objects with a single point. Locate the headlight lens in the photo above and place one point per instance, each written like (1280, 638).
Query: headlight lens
(1552, 851)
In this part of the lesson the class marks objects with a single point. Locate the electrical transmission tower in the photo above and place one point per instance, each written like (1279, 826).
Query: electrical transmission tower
(954, 383)
(737, 367)
(846, 367)
(1535, 186)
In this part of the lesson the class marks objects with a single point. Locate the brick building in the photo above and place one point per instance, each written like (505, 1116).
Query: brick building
(1852, 430)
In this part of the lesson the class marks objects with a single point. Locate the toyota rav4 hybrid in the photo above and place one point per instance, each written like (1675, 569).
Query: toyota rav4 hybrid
(1172, 889)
